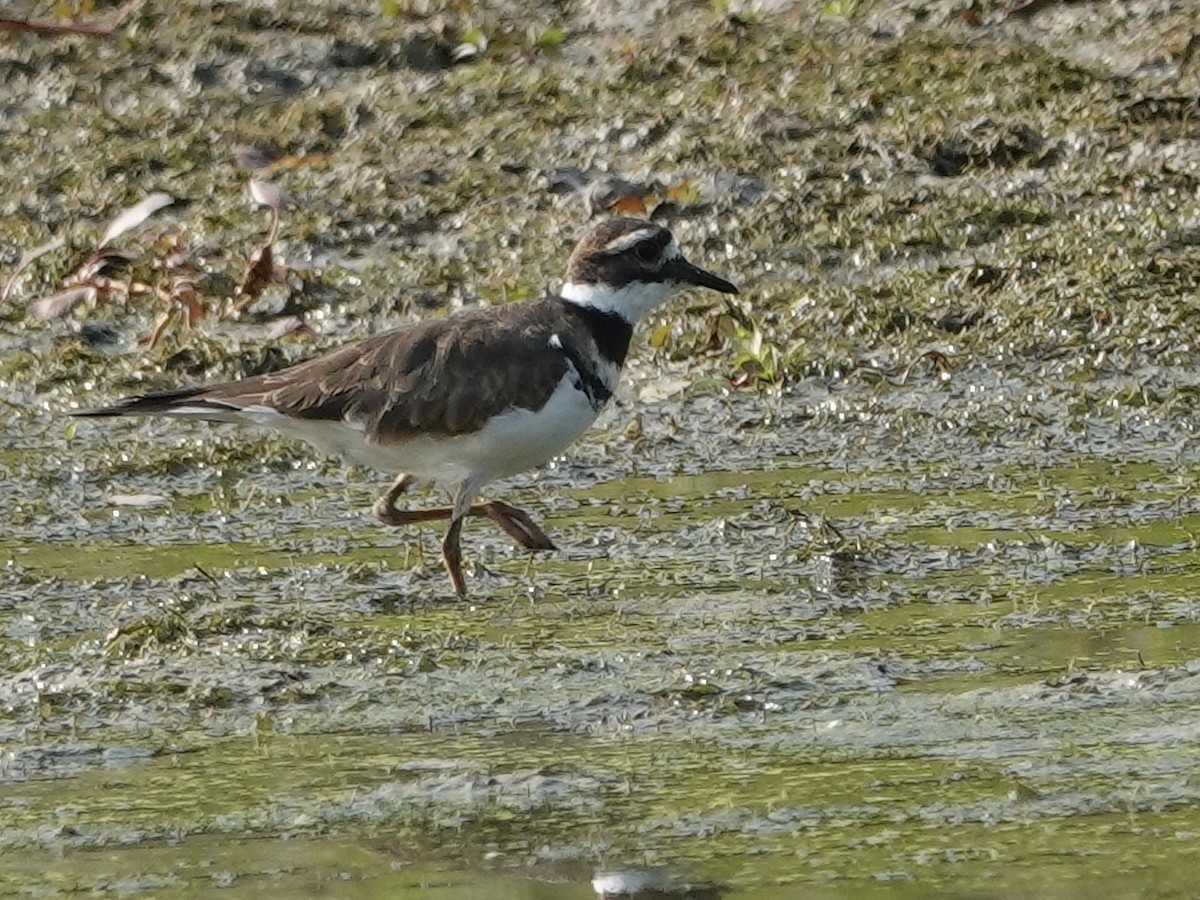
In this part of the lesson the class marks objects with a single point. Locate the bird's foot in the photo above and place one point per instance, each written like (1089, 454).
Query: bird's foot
(516, 523)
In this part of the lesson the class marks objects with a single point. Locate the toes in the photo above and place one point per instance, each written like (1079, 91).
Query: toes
(522, 529)
(539, 541)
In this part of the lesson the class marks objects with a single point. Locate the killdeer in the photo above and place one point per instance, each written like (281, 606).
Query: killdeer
(463, 400)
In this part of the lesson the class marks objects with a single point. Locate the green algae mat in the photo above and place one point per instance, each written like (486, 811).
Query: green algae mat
(880, 580)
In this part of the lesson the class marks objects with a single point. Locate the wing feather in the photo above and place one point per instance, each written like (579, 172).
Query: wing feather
(440, 377)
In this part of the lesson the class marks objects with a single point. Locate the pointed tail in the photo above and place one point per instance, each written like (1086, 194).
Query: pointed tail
(188, 403)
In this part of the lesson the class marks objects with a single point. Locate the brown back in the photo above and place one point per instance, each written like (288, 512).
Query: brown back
(440, 377)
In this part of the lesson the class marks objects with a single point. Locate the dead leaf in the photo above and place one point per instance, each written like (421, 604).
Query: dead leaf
(26, 259)
(135, 216)
(193, 312)
(95, 29)
(658, 337)
(178, 259)
(288, 326)
(257, 277)
(102, 264)
(627, 206)
(683, 193)
(464, 51)
(138, 501)
(271, 195)
(611, 193)
(662, 389)
(161, 324)
(941, 363)
(181, 296)
(292, 161)
(59, 305)
(252, 157)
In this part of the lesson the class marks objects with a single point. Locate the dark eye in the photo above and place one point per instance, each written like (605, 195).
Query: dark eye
(646, 252)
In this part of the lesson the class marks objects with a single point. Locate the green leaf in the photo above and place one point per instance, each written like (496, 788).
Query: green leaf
(838, 9)
(550, 37)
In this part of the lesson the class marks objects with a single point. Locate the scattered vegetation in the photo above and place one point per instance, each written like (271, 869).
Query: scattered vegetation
(853, 180)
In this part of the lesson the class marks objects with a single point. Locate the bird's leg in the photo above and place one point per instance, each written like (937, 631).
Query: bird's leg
(385, 507)
(514, 522)
(452, 557)
(451, 548)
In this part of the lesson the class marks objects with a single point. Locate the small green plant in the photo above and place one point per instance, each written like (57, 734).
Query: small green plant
(838, 9)
(549, 38)
(755, 355)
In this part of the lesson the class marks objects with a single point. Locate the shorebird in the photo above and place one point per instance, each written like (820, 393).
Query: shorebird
(463, 400)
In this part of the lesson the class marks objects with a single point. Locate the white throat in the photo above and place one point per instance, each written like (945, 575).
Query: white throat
(630, 302)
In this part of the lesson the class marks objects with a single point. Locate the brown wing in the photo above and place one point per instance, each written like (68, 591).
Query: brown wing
(441, 377)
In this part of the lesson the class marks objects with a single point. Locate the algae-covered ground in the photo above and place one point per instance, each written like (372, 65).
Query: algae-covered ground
(879, 580)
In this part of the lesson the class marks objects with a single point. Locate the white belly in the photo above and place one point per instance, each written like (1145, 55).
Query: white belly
(513, 442)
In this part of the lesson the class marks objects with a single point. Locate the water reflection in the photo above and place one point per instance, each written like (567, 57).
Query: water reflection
(640, 884)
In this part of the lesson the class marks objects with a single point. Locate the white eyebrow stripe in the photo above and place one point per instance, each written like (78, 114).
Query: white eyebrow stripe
(625, 241)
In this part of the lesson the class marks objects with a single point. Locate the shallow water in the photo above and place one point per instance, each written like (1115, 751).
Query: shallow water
(891, 674)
